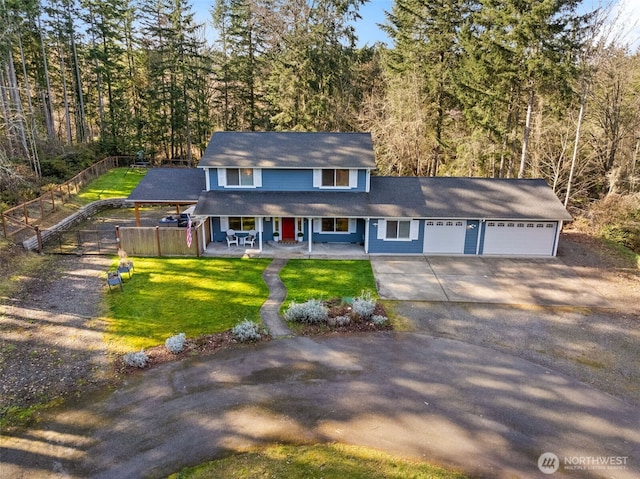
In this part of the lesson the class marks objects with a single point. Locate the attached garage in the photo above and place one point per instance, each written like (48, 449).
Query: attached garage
(467, 216)
(520, 238)
(444, 236)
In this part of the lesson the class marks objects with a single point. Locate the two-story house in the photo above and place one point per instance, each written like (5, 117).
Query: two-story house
(319, 188)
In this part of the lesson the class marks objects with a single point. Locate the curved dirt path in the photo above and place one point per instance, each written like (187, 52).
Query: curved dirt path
(456, 404)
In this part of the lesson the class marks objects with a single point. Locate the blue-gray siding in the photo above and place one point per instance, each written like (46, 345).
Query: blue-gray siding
(287, 180)
(471, 237)
(394, 247)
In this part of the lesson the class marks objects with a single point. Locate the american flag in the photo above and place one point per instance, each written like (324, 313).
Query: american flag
(189, 233)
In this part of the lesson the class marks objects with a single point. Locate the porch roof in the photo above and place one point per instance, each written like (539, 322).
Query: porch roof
(402, 197)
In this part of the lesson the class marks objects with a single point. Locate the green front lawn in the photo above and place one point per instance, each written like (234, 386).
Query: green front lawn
(195, 296)
(115, 183)
(328, 461)
(326, 279)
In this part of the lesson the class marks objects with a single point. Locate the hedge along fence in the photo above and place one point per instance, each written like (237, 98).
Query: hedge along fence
(28, 214)
(162, 241)
(41, 237)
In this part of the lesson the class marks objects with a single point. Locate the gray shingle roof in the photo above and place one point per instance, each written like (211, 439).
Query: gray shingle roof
(454, 197)
(289, 150)
(169, 185)
(285, 203)
(404, 197)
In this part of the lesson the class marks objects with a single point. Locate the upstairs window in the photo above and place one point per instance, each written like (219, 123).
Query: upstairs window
(337, 177)
(240, 176)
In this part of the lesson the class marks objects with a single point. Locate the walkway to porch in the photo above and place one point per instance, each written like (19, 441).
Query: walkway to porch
(278, 250)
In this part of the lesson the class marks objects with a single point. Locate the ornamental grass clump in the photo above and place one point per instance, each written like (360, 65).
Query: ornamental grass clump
(343, 320)
(175, 344)
(246, 331)
(311, 311)
(136, 360)
(364, 305)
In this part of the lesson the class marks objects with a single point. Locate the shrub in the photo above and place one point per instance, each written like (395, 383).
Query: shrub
(175, 344)
(379, 320)
(311, 311)
(138, 360)
(339, 320)
(246, 331)
(364, 305)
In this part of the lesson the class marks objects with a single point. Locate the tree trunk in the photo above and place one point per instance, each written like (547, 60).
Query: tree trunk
(14, 95)
(574, 157)
(4, 103)
(81, 119)
(527, 132)
(48, 106)
(98, 75)
(65, 97)
(31, 123)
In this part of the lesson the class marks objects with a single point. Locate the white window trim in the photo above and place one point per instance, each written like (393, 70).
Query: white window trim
(257, 178)
(353, 179)
(317, 226)
(414, 229)
(207, 179)
(224, 223)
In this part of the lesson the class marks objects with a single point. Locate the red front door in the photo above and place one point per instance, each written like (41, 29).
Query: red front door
(288, 229)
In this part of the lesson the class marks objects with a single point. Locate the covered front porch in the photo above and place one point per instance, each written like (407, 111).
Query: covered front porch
(271, 249)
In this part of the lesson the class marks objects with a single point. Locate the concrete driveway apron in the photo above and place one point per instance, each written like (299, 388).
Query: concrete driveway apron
(545, 282)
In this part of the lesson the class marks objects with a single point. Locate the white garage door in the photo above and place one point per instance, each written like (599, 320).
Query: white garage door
(444, 236)
(519, 238)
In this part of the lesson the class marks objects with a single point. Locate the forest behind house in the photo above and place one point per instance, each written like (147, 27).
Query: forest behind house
(510, 88)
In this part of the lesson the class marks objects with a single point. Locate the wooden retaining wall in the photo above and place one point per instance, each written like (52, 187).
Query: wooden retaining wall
(162, 241)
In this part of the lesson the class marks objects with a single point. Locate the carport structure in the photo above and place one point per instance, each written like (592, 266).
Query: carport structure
(167, 186)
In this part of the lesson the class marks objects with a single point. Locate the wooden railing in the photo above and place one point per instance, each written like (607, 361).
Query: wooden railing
(30, 214)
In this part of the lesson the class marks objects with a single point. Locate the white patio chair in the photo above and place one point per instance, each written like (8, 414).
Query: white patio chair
(251, 238)
(231, 238)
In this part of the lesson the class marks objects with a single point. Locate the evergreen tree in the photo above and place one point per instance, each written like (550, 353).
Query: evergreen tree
(426, 45)
(514, 50)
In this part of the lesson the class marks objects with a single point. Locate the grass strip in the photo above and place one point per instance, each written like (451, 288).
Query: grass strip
(328, 461)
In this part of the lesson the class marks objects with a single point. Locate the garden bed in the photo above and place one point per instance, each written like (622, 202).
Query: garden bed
(207, 344)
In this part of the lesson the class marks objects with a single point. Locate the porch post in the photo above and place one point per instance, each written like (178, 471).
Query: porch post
(260, 230)
(366, 235)
(310, 221)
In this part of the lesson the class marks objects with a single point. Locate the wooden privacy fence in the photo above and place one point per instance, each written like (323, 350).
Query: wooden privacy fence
(161, 241)
(31, 213)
